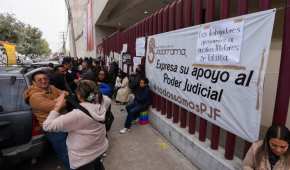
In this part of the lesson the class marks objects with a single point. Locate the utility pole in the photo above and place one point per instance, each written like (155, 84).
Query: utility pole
(63, 41)
(70, 22)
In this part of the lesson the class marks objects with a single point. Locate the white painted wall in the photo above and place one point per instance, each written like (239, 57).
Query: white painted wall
(271, 80)
(79, 10)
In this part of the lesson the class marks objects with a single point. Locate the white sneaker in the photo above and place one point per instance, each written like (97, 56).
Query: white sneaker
(124, 130)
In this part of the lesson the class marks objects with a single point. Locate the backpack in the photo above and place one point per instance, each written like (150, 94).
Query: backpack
(109, 117)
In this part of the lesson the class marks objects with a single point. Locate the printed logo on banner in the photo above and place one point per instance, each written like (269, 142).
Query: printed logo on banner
(151, 50)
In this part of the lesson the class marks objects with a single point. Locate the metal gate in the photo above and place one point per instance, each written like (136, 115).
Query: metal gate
(185, 13)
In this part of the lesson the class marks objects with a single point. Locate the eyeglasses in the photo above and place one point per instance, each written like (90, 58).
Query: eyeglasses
(41, 79)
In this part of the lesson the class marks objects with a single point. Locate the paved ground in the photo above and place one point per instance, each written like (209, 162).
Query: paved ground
(141, 149)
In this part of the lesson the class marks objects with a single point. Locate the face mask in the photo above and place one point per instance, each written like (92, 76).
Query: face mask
(91, 97)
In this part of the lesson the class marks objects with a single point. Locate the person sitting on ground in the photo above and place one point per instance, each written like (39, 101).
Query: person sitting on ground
(41, 97)
(140, 103)
(272, 153)
(86, 139)
(124, 90)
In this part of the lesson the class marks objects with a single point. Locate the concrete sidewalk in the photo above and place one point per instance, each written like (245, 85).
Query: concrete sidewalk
(143, 148)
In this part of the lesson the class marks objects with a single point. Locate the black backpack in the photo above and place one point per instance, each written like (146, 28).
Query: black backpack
(109, 117)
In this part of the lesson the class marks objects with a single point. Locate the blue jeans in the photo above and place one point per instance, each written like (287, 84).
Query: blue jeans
(58, 142)
(133, 110)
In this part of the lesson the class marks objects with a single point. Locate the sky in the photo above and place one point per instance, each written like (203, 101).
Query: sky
(50, 16)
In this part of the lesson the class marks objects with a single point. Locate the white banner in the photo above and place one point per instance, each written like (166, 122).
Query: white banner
(226, 91)
(140, 46)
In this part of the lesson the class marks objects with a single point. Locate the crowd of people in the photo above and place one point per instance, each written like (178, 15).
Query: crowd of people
(71, 103)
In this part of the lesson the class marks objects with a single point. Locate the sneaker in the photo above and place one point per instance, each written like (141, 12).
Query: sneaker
(124, 130)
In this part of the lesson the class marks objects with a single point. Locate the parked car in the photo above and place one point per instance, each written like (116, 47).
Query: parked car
(21, 137)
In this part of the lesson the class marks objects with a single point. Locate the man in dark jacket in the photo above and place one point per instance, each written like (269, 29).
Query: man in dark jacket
(71, 74)
(58, 77)
(140, 103)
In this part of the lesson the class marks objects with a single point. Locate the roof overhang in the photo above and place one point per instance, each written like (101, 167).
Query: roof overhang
(123, 13)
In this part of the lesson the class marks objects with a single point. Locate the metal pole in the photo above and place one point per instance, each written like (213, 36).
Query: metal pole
(63, 38)
(283, 93)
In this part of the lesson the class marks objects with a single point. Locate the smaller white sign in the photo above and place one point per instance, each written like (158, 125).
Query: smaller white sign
(125, 47)
(137, 61)
(220, 43)
(140, 46)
